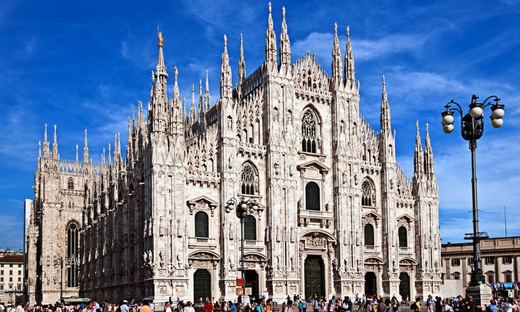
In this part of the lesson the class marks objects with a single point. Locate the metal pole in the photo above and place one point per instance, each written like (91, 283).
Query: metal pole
(242, 251)
(476, 275)
(61, 282)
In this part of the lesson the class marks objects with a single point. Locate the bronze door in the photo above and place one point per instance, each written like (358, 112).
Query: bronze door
(404, 286)
(370, 284)
(201, 285)
(314, 277)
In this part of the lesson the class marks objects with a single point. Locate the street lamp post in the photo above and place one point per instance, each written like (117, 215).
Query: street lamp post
(472, 128)
(242, 208)
(59, 264)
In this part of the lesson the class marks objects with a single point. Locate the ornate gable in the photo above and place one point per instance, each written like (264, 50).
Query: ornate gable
(309, 75)
(202, 203)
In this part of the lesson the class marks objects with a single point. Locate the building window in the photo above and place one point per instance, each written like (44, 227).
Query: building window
(366, 199)
(11, 265)
(19, 272)
(507, 260)
(250, 228)
(489, 260)
(19, 279)
(403, 237)
(1, 279)
(72, 255)
(10, 272)
(70, 184)
(312, 196)
(2, 272)
(19, 287)
(369, 235)
(201, 225)
(455, 262)
(490, 276)
(10, 279)
(1, 287)
(456, 275)
(249, 180)
(470, 261)
(309, 132)
(508, 277)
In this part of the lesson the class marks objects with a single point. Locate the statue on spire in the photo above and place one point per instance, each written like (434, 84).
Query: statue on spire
(160, 37)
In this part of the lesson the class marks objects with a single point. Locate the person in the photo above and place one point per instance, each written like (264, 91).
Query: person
(260, 306)
(416, 306)
(381, 306)
(20, 308)
(471, 306)
(507, 306)
(167, 307)
(208, 307)
(430, 304)
(146, 306)
(395, 304)
(438, 304)
(492, 307)
(232, 306)
(268, 305)
(288, 307)
(189, 307)
(448, 307)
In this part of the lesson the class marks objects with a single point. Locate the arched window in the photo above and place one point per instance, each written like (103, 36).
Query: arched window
(201, 225)
(366, 198)
(309, 135)
(369, 235)
(250, 228)
(72, 255)
(70, 184)
(312, 196)
(248, 180)
(403, 237)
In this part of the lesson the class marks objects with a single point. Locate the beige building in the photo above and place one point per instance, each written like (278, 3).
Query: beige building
(11, 276)
(338, 215)
(500, 261)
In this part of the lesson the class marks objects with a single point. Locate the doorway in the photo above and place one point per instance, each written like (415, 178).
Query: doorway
(314, 278)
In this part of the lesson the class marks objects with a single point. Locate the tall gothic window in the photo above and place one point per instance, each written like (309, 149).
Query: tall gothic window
(309, 132)
(403, 237)
(312, 196)
(369, 235)
(248, 180)
(70, 184)
(366, 199)
(250, 228)
(201, 225)
(72, 255)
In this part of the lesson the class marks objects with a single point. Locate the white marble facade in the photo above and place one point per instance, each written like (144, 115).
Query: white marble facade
(337, 208)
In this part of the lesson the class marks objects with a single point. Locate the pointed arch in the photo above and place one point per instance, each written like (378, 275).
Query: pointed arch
(249, 181)
(70, 184)
(311, 130)
(368, 196)
(72, 253)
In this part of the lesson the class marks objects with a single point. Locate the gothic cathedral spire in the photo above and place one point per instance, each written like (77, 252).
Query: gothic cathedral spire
(241, 63)
(270, 41)
(336, 60)
(387, 149)
(285, 47)
(225, 74)
(350, 72)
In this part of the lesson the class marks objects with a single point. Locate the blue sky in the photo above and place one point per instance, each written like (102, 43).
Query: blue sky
(84, 65)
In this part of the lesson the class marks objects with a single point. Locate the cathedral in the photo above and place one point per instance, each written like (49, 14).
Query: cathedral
(280, 183)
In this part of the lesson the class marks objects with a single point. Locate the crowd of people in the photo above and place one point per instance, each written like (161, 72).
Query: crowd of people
(312, 304)
(467, 304)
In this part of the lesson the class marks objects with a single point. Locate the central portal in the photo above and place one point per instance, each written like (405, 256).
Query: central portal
(314, 278)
